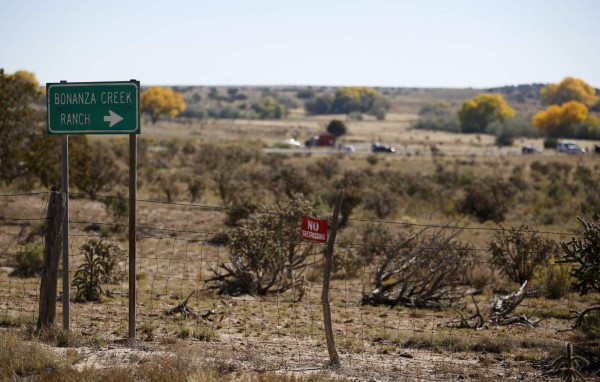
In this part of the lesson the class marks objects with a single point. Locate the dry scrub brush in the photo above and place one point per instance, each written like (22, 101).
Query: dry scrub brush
(267, 254)
(424, 269)
(518, 251)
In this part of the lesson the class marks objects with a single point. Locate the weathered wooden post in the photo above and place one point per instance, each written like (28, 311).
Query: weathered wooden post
(333, 355)
(52, 251)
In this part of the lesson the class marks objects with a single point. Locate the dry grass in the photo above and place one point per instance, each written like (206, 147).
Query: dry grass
(250, 337)
(32, 360)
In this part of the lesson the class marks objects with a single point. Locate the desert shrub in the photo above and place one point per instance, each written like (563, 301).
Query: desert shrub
(372, 159)
(515, 127)
(419, 186)
(505, 138)
(238, 212)
(518, 251)
(540, 167)
(326, 168)
(267, 254)
(195, 185)
(347, 263)
(382, 201)
(550, 143)
(590, 326)
(487, 199)
(290, 179)
(100, 266)
(102, 174)
(168, 184)
(376, 241)
(117, 206)
(439, 116)
(352, 182)
(584, 253)
(28, 261)
(423, 269)
(555, 278)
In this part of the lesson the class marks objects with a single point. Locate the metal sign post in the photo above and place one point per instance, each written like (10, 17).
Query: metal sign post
(64, 180)
(132, 232)
(96, 108)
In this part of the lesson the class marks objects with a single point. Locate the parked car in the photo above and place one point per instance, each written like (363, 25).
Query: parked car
(569, 147)
(528, 149)
(379, 147)
(291, 142)
(597, 149)
(349, 149)
(327, 140)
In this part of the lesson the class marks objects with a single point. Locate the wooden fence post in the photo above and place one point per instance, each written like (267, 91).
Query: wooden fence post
(333, 355)
(52, 250)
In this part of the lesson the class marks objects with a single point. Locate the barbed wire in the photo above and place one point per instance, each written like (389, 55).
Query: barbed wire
(285, 331)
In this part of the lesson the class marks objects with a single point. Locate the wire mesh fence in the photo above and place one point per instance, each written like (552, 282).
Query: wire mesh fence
(181, 295)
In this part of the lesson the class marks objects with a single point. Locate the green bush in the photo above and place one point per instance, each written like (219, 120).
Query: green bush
(505, 138)
(337, 128)
(267, 254)
(585, 254)
(556, 279)
(29, 261)
(100, 266)
(488, 198)
(439, 116)
(550, 143)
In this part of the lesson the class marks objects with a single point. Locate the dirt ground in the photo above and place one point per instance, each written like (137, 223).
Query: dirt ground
(272, 332)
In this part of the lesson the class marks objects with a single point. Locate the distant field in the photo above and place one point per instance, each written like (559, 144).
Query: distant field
(182, 242)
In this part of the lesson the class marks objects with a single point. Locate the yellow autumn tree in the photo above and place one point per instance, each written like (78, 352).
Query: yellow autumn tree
(561, 120)
(569, 89)
(158, 101)
(476, 114)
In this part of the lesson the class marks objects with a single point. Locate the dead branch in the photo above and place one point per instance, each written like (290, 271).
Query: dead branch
(423, 270)
(500, 310)
(183, 309)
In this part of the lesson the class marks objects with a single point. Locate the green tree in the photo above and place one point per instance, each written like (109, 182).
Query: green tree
(157, 101)
(337, 128)
(438, 116)
(269, 108)
(18, 121)
(476, 114)
(358, 98)
(42, 158)
(101, 172)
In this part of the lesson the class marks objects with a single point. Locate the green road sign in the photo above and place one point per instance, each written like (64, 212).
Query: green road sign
(93, 107)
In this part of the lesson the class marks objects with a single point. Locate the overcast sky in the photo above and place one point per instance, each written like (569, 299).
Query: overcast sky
(418, 43)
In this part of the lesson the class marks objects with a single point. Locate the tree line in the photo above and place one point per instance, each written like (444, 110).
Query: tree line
(568, 114)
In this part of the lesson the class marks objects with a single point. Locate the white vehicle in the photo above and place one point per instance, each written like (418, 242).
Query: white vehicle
(291, 142)
(569, 147)
(349, 149)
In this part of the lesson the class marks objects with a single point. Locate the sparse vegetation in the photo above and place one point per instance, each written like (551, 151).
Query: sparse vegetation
(518, 251)
(422, 269)
(100, 266)
(220, 166)
(28, 261)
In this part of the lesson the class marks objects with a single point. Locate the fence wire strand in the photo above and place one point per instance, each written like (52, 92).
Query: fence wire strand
(178, 299)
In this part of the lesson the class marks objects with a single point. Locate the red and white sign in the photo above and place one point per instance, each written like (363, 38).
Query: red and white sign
(314, 229)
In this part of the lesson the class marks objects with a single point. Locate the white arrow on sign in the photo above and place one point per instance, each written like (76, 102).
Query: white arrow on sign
(113, 118)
